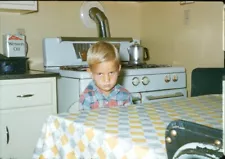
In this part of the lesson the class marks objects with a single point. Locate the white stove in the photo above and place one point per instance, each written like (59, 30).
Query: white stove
(146, 82)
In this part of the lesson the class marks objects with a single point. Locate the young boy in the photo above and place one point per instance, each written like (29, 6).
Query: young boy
(103, 91)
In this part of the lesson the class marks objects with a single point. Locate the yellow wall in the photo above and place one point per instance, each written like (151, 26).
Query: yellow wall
(62, 18)
(159, 25)
(172, 40)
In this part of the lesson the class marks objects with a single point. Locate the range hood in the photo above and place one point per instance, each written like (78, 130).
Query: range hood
(101, 21)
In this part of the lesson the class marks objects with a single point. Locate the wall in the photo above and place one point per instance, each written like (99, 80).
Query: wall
(62, 18)
(160, 25)
(196, 42)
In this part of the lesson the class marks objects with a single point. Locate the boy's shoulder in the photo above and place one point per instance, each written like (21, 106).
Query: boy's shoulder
(90, 88)
(121, 88)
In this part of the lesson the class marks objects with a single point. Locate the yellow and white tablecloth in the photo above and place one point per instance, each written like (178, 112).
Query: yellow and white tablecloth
(133, 132)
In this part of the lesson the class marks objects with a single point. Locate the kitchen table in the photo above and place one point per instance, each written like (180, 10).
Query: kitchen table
(133, 132)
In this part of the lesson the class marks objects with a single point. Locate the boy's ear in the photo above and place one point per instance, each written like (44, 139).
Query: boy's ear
(89, 71)
(119, 67)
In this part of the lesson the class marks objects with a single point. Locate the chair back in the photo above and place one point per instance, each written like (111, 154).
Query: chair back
(206, 81)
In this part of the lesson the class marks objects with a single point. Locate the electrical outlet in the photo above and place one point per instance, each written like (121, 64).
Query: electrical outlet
(20, 31)
(186, 16)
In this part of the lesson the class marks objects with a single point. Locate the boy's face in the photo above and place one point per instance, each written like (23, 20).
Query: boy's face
(105, 75)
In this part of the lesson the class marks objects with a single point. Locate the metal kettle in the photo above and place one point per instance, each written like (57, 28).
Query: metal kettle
(137, 54)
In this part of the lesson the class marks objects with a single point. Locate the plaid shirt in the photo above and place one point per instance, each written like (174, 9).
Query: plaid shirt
(92, 98)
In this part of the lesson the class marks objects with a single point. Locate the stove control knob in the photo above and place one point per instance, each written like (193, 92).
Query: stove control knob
(145, 80)
(167, 78)
(175, 78)
(135, 81)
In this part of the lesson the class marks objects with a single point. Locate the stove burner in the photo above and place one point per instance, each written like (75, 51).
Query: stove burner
(136, 66)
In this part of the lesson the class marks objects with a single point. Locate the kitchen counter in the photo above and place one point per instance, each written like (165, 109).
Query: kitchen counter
(29, 74)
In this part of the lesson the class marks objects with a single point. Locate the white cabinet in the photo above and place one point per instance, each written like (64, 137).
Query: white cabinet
(25, 104)
(19, 6)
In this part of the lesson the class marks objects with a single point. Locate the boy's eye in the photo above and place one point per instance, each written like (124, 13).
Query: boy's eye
(111, 73)
(99, 74)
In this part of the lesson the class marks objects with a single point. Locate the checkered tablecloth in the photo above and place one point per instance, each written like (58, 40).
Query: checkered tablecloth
(133, 132)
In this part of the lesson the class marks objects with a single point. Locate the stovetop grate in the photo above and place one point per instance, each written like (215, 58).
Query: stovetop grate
(136, 66)
(126, 66)
(74, 68)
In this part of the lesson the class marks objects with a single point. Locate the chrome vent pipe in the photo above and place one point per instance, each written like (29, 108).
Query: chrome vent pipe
(101, 21)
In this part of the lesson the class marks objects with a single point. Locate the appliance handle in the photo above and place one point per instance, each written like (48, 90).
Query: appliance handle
(95, 39)
(177, 94)
(146, 57)
(25, 95)
(7, 134)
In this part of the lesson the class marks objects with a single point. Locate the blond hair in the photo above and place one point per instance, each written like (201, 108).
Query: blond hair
(102, 51)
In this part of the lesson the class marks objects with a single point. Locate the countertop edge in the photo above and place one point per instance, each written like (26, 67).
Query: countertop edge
(29, 74)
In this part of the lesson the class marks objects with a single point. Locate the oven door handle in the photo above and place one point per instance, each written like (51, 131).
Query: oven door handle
(178, 94)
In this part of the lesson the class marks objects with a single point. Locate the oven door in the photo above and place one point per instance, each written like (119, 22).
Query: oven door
(148, 97)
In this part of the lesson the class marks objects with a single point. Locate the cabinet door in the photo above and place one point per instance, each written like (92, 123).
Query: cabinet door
(19, 5)
(20, 130)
